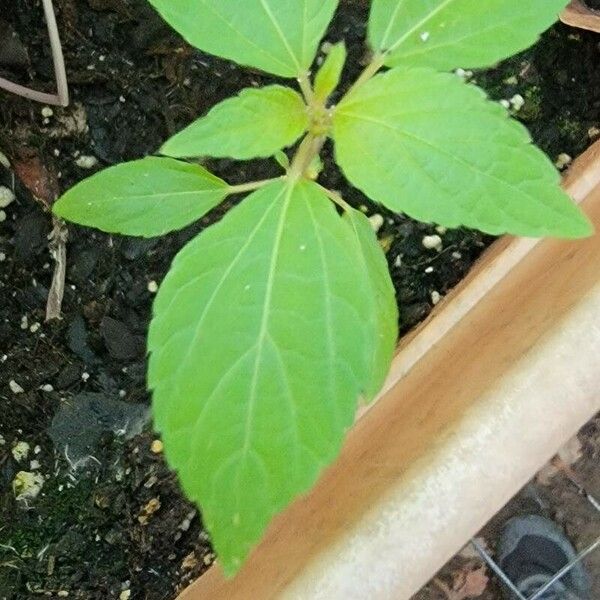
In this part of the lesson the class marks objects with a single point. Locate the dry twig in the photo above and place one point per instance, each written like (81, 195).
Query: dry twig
(61, 98)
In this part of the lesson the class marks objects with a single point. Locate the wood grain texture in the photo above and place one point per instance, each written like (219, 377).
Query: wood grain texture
(479, 397)
(577, 14)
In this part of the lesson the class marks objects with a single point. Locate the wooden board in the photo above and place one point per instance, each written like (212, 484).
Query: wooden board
(577, 14)
(478, 398)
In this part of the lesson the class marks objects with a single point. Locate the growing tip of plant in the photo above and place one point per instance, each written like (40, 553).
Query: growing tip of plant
(329, 75)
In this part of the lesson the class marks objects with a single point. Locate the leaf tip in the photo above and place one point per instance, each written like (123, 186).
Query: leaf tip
(580, 227)
(62, 208)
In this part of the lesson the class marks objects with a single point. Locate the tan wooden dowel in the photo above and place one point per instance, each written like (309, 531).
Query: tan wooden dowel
(577, 14)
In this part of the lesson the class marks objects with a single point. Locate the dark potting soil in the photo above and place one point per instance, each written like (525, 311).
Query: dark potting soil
(595, 4)
(110, 516)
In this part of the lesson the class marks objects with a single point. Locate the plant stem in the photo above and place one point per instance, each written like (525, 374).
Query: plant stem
(306, 87)
(371, 69)
(309, 148)
(250, 186)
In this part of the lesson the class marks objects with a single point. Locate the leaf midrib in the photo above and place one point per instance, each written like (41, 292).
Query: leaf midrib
(280, 33)
(263, 330)
(166, 194)
(331, 381)
(244, 37)
(418, 26)
(221, 282)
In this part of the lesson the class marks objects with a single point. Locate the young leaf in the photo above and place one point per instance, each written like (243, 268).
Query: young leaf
(426, 144)
(272, 35)
(329, 74)
(261, 343)
(147, 197)
(256, 123)
(382, 293)
(447, 34)
(282, 159)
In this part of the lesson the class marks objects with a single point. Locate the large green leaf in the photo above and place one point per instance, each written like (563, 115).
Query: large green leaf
(426, 144)
(277, 36)
(147, 197)
(446, 34)
(261, 343)
(258, 122)
(382, 294)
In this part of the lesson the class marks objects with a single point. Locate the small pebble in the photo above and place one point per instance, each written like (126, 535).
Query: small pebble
(151, 481)
(189, 562)
(34, 327)
(15, 388)
(2, 216)
(148, 510)
(435, 297)
(563, 160)
(432, 242)
(157, 446)
(6, 196)
(125, 595)
(85, 376)
(24, 322)
(512, 80)
(47, 388)
(425, 36)
(505, 103)
(456, 255)
(429, 270)
(152, 287)
(377, 222)
(517, 102)
(47, 112)
(464, 75)
(187, 522)
(34, 465)
(20, 451)
(593, 132)
(86, 162)
(62, 594)
(2, 257)
(27, 485)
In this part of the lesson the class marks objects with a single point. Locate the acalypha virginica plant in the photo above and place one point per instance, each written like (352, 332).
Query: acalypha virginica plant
(272, 324)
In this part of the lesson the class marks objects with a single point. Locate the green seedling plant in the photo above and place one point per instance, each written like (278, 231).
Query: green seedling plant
(274, 323)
